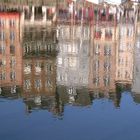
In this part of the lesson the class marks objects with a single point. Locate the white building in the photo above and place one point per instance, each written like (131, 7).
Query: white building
(72, 59)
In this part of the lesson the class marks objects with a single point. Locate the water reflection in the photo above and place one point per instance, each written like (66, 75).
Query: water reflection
(78, 59)
(10, 54)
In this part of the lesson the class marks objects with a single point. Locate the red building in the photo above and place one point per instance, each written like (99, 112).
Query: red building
(10, 50)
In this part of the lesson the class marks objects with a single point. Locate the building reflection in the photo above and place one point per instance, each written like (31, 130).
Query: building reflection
(73, 64)
(10, 54)
(103, 59)
(70, 63)
(39, 41)
(136, 73)
(73, 56)
(102, 67)
(125, 54)
(115, 97)
(39, 69)
(73, 96)
(45, 14)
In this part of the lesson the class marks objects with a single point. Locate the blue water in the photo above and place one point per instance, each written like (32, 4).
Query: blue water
(99, 121)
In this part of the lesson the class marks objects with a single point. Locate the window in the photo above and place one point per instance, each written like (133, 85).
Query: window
(71, 91)
(27, 68)
(72, 61)
(86, 32)
(118, 74)
(71, 48)
(2, 35)
(49, 68)
(1, 23)
(27, 48)
(107, 50)
(3, 61)
(12, 75)
(2, 76)
(38, 66)
(96, 81)
(96, 65)
(13, 89)
(12, 35)
(12, 49)
(59, 60)
(60, 77)
(37, 48)
(97, 47)
(37, 100)
(106, 80)
(12, 62)
(126, 74)
(49, 83)
(2, 49)
(38, 84)
(122, 48)
(27, 84)
(119, 61)
(49, 49)
(11, 22)
(106, 65)
(129, 32)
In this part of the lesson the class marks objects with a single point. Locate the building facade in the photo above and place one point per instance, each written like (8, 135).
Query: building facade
(103, 59)
(39, 69)
(125, 53)
(10, 51)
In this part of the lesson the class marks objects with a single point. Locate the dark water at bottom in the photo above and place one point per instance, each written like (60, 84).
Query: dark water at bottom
(98, 121)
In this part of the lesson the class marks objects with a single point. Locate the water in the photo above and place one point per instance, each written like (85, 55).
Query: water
(69, 77)
(100, 120)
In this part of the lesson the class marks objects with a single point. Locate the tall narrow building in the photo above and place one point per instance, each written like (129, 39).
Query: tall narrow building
(10, 52)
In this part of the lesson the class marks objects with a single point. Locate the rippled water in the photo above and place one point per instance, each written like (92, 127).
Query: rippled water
(76, 78)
